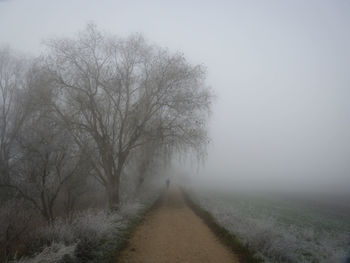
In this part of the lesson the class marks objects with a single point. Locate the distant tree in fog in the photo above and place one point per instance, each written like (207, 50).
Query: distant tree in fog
(43, 150)
(14, 108)
(119, 94)
(48, 163)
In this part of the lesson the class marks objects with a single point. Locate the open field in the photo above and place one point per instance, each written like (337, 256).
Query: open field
(283, 228)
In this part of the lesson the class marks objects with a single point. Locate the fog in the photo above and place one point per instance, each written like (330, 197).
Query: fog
(280, 71)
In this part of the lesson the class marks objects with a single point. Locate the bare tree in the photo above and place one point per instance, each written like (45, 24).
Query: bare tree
(75, 188)
(15, 221)
(118, 94)
(13, 108)
(49, 161)
(45, 153)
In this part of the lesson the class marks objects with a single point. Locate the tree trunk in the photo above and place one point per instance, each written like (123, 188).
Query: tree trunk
(113, 194)
(113, 189)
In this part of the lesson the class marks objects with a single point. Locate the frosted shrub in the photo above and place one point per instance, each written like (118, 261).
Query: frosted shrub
(89, 237)
(131, 210)
(60, 231)
(86, 232)
(91, 224)
(51, 254)
(97, 225)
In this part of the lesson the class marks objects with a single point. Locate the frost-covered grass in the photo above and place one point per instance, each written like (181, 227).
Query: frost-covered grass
(278, 231)
(92, 236)
(51, 254)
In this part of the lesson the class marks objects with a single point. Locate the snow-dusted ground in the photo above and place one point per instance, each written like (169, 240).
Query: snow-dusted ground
(89, 228)
(279, 231)
(90, 235)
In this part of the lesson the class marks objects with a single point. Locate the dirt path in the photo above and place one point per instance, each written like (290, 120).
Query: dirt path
(173, 233)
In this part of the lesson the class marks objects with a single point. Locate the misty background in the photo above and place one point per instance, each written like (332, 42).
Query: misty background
(280, 71)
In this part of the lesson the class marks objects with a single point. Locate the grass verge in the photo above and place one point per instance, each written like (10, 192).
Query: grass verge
(245, 255)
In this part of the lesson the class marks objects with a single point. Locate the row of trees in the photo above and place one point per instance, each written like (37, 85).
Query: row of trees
(92, 107)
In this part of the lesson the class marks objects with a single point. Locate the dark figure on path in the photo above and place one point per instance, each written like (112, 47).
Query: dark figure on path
(167, 183)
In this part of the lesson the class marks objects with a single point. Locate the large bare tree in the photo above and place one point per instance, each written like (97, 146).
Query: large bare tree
(117, 94)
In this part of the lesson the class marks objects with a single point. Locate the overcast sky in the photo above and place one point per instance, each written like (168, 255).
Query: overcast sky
(280, 70)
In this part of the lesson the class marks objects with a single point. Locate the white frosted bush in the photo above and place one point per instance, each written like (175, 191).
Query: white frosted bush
(90, 227)
(50, 254)
(60, 231)
(91, 224)
(97, 225)
(131, 210)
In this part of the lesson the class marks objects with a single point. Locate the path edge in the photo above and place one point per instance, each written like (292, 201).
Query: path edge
(131, 227)
(244, 254)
